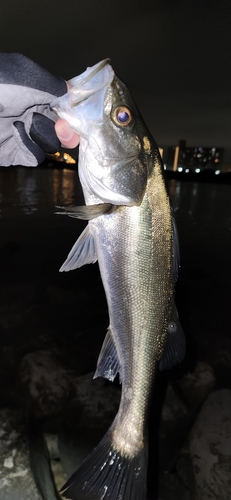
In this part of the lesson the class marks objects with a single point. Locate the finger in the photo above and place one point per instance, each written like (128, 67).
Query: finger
(66, 135)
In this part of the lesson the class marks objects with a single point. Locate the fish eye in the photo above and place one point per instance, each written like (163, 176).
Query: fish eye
(122, 116)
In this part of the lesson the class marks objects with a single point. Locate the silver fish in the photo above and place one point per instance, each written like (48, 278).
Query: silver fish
(132, 234)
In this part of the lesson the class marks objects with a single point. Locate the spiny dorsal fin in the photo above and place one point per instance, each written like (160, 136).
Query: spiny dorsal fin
(108, 362)
(83, 252)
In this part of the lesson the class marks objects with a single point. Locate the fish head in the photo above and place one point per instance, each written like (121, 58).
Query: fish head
(115, 145)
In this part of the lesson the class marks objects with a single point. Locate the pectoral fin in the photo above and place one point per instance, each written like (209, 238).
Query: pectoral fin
(87, 212)
(174, 351)
(108, 362)
(83, 252)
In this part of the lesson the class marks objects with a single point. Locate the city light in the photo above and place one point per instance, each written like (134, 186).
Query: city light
(62, 157)
(183, 158)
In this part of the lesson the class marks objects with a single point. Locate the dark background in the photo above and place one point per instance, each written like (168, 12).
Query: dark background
(174, 55)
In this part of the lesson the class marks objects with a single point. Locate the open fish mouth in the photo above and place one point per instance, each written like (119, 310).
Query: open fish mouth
(86, 76)
(87, 84)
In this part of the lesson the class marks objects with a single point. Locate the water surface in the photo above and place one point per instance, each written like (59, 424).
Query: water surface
(34, 241)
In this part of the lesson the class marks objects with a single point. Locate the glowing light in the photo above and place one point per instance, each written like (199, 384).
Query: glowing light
(217, 172)
(62, 157)
(180, 169)
(197, 170)
(187, 170)
(176, 157)
(68, 158)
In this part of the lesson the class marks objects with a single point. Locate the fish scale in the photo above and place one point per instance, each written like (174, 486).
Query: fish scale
(132, 234)
(140, 329)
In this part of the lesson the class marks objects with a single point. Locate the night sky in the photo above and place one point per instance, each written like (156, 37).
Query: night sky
(174, 55)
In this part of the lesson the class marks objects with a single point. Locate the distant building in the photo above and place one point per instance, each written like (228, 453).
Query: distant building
(194, 159)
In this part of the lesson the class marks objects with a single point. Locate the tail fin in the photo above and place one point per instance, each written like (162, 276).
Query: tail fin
(106, 474)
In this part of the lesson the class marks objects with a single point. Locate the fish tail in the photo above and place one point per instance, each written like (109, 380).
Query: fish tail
(107, 474)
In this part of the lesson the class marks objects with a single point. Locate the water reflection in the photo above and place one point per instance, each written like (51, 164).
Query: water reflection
(29, 190)
(65, 186)
(26, 192)
(201, 203)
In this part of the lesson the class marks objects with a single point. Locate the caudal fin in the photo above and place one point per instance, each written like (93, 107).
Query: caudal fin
(106, 474)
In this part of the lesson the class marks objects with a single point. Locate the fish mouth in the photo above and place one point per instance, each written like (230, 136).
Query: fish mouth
(91, 81)
(82, 87)
(95, 70)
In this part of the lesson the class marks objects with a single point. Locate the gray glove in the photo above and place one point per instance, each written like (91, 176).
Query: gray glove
(26, 121)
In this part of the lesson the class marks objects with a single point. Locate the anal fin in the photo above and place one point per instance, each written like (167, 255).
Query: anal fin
(108, 362)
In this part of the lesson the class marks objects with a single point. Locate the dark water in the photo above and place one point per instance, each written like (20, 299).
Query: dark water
(27, 191)
(203, 213)
(28, 200)
(34, 242)
(66, 313)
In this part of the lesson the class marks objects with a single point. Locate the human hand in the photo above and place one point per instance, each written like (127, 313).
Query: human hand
(27, 130)
(67, 137)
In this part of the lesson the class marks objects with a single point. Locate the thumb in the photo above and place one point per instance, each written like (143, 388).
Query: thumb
(67, 136)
